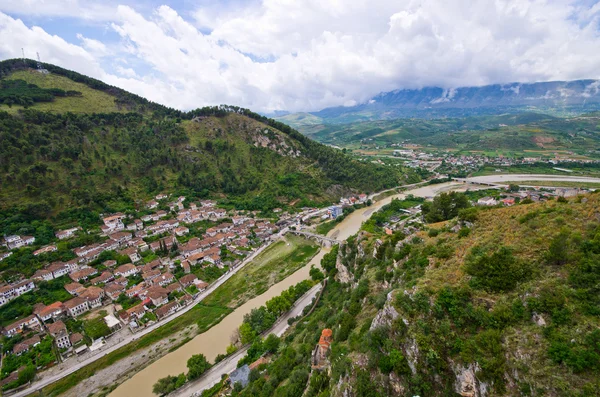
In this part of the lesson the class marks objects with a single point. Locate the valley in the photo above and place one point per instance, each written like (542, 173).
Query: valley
(151, 251)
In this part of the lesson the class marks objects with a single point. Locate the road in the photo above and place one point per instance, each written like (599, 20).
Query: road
(213, 375)
(45, 381)
(425, 191)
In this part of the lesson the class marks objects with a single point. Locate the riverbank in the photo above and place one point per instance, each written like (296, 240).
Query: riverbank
(210, 343)
(184, 325)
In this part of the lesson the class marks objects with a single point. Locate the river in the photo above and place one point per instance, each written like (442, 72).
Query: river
(215, 340)
(210, 343)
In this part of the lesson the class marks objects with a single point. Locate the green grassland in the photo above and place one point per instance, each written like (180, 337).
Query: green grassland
(91, 101)
(274, 264)
(541, 168)
(525, 134)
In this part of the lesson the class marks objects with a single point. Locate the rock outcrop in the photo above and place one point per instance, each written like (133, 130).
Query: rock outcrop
(386, 315)
(467, 384)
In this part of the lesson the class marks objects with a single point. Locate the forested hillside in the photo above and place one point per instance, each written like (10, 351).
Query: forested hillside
(57, 161)
(496, 302)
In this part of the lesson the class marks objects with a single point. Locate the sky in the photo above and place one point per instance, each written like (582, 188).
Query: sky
(304, 55)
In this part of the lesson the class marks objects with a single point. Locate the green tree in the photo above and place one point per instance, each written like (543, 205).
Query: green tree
(197, 365)
(247, 334)
(445, 206)
(271, 343)
(500, 271)
(558, 251)
(316, 274)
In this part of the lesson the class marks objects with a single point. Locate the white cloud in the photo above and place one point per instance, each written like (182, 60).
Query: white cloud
(59, 8)
(306, 55)
(93, 46)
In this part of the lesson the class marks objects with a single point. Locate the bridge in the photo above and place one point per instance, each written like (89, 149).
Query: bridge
(471, 182)
(323, 240)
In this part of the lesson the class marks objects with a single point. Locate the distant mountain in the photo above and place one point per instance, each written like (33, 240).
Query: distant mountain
(556, 97)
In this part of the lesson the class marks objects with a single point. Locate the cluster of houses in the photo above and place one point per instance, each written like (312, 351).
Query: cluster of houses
(150, 287)
(509, 199)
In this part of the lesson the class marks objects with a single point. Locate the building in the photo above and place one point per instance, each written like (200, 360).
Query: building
(321, 351)
(58, 330)
(29, 322)
(50, 312)
(104, 278)
(14, 241)
(188, 279)
(132, 253)
(67, 233)
(166, 310)
(126, 270)
(112, 323)
(113, 290)
(74, 288)
(45, 249)
(335, 211)
(25, 345)
(94, 296)
(158, 295)
(487, 201)
(83, 274)
(77, 306)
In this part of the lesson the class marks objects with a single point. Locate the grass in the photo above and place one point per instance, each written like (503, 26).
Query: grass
(91, 101)
(537, 169)
(273, 265)
(204, 316)
(326, 227)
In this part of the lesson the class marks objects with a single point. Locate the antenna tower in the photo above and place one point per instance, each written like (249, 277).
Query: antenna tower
(39, 65)
(23, 52)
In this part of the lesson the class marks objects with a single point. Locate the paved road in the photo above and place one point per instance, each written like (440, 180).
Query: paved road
(213, 376)
(45, 381)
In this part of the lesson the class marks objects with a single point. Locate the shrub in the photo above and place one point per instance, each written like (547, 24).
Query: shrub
(500, 271)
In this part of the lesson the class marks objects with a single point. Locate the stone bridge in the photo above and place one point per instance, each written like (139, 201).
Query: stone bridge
(323, 240)
(468, 181)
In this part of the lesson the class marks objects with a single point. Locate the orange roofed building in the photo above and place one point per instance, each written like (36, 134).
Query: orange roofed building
(322, 349)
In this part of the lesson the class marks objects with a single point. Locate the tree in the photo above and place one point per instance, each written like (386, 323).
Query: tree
(271, 343)
(316, 274)
(197, 365)
(278, 305)
(445, 206)
(500, 271)
(168, 384)
(247, 334)
(558, 251)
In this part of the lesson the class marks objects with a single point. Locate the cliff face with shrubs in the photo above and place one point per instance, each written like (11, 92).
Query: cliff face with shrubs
(509, 307)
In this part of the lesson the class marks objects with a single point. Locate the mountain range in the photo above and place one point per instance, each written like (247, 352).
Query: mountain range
(555, 97)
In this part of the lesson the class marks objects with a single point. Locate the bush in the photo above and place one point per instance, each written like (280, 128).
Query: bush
(197, 365)
(498, 272)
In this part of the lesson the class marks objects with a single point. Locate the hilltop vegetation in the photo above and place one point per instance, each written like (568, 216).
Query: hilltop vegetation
(109, 150)
(524, 132)
(510, 308)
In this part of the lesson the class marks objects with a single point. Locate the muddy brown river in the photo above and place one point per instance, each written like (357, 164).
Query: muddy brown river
(215, 340)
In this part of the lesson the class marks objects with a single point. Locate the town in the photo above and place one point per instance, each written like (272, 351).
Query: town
(142, 270)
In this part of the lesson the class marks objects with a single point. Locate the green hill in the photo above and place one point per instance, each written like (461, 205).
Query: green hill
(508, 306)
(108, 150)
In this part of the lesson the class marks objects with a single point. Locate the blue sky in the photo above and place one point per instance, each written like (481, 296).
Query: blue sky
(304, 55)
